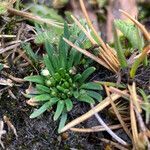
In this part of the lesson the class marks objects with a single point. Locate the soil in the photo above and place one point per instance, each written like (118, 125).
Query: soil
(41, 133)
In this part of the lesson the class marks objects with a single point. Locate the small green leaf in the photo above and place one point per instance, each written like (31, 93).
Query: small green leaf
(53, 57)
(41, 110)
(42, 88)
(42, 97)
(86, 74)
(86, 98)
(95, 95)
(77, 77)
(69, 104)
(91, 86)
(59, 109)
(62, 121)
(76, 94)
(36, 79)
(54, 100)
(63, 47)
(48, 64)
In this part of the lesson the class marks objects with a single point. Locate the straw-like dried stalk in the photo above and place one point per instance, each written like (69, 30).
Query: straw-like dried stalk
(90, 113)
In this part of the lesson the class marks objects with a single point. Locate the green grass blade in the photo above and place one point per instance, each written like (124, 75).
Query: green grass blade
(52, 54)
(48, 64)
(120, 52)
(63, 47)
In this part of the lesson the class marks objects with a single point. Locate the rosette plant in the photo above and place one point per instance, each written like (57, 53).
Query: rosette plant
(59, 83)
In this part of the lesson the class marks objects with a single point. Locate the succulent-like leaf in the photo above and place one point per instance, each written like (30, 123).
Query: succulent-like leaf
(91, 86)
(41, 110)
(43, 88)
(77, 77)
(42, 97)
(76, 94)
(86, 98)
(94, 95)
(36, 78)
(59, 109)
(62, 121)
(69, 104)
(86, 74)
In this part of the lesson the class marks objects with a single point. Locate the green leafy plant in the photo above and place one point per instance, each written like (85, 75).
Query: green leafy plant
(131, 33)
(135, 39)
(59, 83)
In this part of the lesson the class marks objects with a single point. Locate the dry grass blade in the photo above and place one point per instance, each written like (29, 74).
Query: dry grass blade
(118, 114)
(118, 146)
(105, 53)
(10, 125)
(138, 24)
(7, 82)
(84, 30)
(33, 17)
(121, 93)
(2, 132)
(143, 137)
(102, 55)
(133, 125)
(7, 36)
(112, 134)
(90, 24)
(95, 129)
(90, 113)
(3, 50)
(140, 139)
(18, 80)
(86, 53)
(134, 97)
